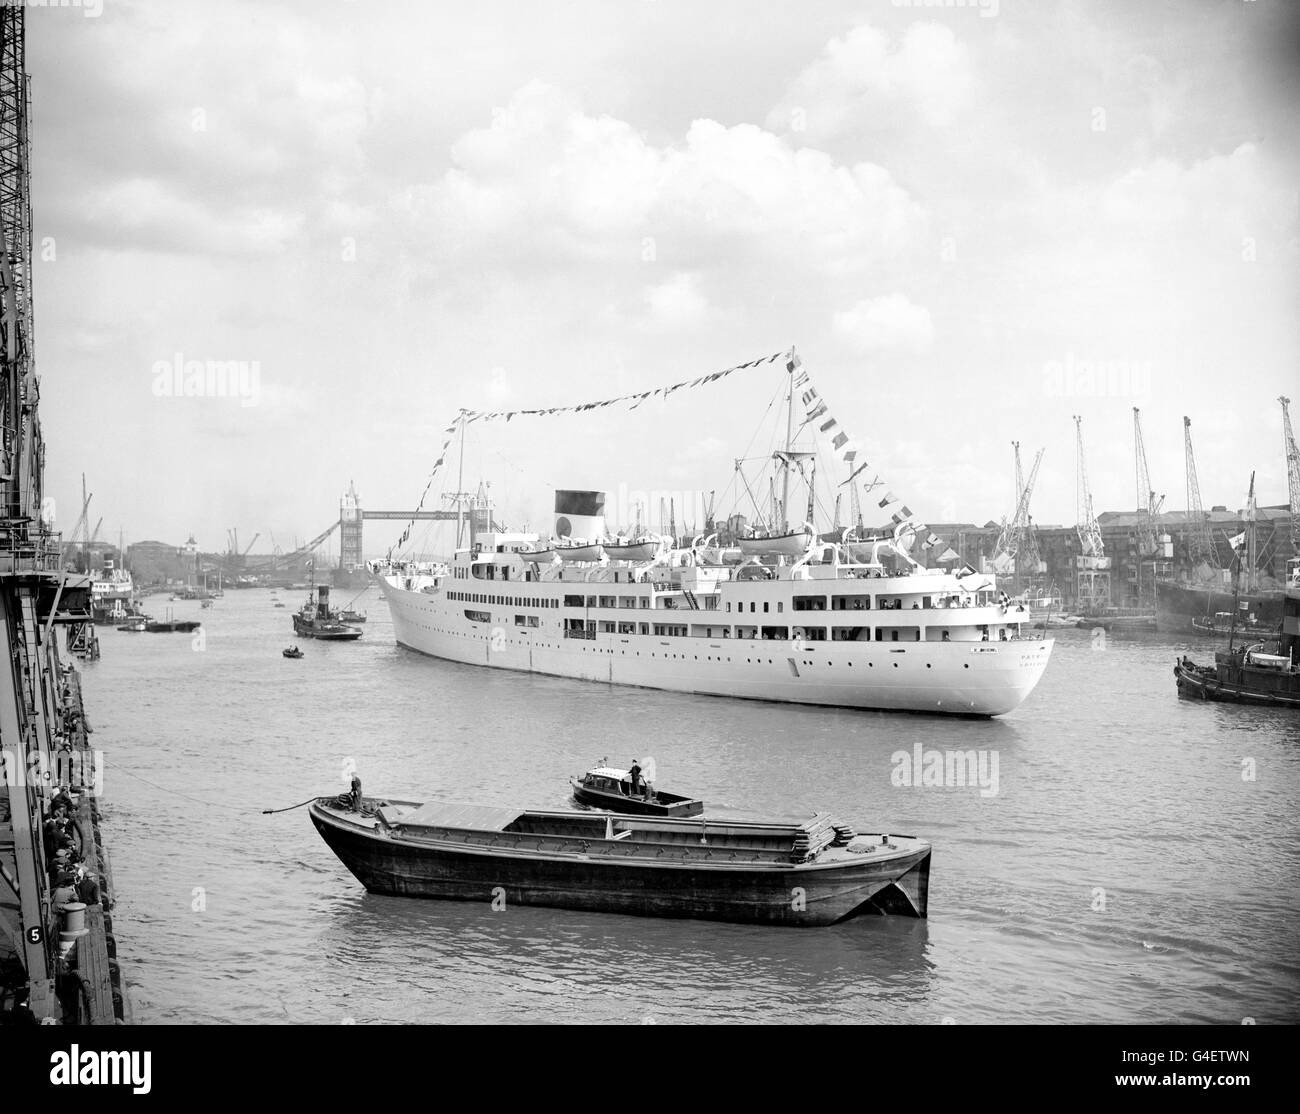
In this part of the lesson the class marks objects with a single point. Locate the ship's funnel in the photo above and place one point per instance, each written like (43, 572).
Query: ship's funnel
(580, 515)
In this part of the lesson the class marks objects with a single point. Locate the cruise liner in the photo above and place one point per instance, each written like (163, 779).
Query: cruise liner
(776, 614)
(819, 629)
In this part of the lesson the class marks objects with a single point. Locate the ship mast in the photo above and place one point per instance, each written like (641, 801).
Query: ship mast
(789, 447)
(460, 485)
(1236, 552)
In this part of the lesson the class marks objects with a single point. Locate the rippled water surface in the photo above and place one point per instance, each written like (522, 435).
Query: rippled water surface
(1138, 862)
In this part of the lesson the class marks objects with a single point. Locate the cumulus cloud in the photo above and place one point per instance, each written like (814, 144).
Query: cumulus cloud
(889, 322)
(547, 180)
(678, 302)
(865, 79)
(1234, 190)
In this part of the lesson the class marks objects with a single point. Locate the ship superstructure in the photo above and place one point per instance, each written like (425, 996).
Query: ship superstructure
(819, 629)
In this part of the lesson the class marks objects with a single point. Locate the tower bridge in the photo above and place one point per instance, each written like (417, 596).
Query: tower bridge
(475, 510)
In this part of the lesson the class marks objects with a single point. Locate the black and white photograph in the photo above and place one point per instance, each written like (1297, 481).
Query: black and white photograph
(647, 513)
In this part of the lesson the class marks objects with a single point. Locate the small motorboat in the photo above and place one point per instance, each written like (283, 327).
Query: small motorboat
(135, 623)
(278, 603)
(293, 652)
(604, 787)
(347, 615)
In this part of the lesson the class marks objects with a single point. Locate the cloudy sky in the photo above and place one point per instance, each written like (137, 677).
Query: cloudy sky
(972, 222)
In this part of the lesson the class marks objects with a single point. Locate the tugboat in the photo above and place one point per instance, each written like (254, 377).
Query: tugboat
(603, 787)
(317, 620)
(1259, 673)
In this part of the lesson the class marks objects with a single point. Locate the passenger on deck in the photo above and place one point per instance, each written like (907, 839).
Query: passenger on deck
(635, 774)
(356, 793)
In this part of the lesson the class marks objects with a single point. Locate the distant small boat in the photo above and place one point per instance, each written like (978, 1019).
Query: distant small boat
(136, 623)
(1247, 626)
(349, 616)
(1118, 622)
(205, 604)
(278, 603)
(1058, 622)
(172, 626)
(293, 652)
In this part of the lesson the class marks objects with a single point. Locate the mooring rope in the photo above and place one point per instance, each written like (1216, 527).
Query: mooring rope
(272, 811)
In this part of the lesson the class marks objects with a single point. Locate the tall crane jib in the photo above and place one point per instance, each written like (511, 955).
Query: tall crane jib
(1092, 588)
(1201, 550)
(1292, 480)
(1016, 551)
(1151, 544)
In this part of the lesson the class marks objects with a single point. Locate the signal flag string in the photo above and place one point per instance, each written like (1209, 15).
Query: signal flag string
(465, 417)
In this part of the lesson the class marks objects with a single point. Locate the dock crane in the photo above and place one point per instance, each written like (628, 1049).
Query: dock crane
(1089, 532)
(1148, 503)
(1292, 477)
(1093, 583)
(1200, 545)
(1017, 546)
(282, 559)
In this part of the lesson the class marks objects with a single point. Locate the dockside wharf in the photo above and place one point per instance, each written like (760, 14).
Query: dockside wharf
(57, 951)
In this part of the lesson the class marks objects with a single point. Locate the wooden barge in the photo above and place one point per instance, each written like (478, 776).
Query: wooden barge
(798, 873)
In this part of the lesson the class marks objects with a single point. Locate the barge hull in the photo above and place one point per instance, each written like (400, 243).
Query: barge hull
(794, 895)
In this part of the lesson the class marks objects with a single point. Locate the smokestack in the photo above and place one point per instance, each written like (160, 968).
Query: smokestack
(580, 515)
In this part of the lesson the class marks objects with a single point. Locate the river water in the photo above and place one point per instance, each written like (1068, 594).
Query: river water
(1136, 860)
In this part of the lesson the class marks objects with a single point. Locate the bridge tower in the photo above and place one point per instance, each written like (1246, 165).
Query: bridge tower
(351, 530)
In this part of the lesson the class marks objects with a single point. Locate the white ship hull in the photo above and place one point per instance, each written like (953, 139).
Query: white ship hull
(960, 677)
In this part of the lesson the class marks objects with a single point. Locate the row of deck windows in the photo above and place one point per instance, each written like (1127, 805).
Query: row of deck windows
(501, 601)
(799, 603)
(580, 628)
